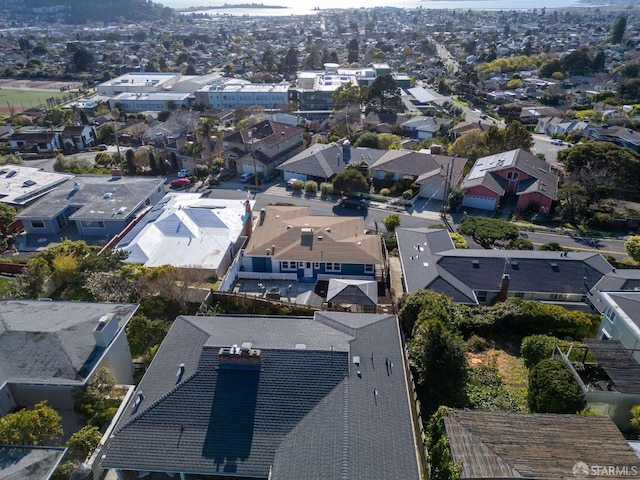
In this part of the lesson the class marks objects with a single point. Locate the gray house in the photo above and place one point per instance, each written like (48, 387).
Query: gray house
(272, 397)
(478, 276)
(98, 206)
(48, 348)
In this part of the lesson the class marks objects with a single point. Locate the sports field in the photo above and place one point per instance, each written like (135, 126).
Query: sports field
(24, 94)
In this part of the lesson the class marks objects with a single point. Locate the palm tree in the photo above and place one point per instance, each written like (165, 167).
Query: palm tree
(194, 149)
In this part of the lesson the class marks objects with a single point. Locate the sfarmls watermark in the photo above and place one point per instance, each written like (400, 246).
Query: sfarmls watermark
(582, 470)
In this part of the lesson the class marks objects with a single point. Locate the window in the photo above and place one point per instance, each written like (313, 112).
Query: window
(91, 224)
(316, 265)
(332, 267)
(519, 295)
(368, 268)
(287, 265)
(481, 296)
(300, 264)
(37, 223)
(512, 175)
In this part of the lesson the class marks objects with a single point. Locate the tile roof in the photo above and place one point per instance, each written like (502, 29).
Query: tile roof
(429, 260)
(52, 342)
(518, 445)
(307, 412)
(335, 239)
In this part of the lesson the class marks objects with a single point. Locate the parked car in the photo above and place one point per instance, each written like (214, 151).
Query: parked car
(291, 181)
(180, 182)
(102, 147)
(247, 177)
(557, 141)
(184, 172)
(356, 203)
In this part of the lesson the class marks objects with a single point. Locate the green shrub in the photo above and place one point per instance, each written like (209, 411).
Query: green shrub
(476, 344)
(536, 348)
(553, 389)
(326, 188)
(407, 194)
(311, 187)
(385, 192)
(297, 186)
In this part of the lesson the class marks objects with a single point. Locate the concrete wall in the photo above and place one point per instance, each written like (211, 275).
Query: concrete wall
(118, 360)
(27, 395)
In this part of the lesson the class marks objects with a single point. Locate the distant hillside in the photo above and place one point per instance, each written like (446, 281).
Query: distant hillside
(81, 11)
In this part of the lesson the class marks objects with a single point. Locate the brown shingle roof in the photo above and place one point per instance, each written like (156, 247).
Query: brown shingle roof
(540, 446)
(333, 239)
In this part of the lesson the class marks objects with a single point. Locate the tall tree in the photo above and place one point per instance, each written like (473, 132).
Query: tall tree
(268, 59)
(130, 156)
(289, 63)
(352, 49)
(439, 358)
(632, 246)
(345, 95)
(384, 90)
(618, 29)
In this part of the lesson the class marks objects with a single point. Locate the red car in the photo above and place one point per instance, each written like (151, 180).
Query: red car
(180, 182)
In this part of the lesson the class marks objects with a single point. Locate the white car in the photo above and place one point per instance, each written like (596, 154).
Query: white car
(184, 172)
(557, 141)
(291, 181)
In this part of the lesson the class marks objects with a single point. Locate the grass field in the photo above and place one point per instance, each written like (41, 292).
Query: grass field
(23, 99)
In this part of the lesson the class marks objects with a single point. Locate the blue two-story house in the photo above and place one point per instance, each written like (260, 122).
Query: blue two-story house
(287, 240)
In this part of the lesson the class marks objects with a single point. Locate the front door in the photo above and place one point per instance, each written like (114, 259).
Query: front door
(308, 270)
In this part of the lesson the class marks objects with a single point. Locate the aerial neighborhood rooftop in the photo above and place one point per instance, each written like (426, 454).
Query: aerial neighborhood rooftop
(295, 242)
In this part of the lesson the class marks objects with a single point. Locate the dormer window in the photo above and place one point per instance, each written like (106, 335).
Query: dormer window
(512, 175)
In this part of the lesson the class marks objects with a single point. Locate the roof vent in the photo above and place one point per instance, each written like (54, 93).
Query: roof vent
(180, 373)
(320, 237)
(554, 266)
(107, 195)
(475, 263)
(138, 402)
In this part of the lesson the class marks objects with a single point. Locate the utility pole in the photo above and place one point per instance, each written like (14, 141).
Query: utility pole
(253, 155)
(115, 135)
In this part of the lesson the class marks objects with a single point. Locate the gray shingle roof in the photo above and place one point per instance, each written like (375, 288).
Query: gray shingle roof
(429, 260)
(629, 302)
(305, 412)
(327, 160)
(52, 342)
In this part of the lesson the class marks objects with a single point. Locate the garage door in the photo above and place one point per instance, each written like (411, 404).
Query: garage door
(248, 168)
(428, 191)
(483, 203)
(289, 175)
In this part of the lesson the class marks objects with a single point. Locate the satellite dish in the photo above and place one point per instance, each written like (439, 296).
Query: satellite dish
(627, 108)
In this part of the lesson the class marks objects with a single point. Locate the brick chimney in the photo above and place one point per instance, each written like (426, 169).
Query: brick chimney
(504, 288)
(247, 210)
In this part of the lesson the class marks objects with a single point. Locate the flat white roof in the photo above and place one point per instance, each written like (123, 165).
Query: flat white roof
(141, 79)
(19, 185)
(186, 230)
(151, 96)
(248, 87)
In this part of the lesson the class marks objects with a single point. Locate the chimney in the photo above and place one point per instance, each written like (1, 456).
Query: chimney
(106, 330)
(436, 149)
(504, 288)
(247, 211)
(346, 151)
(243, 358)
(273, 249)
(263, 214)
